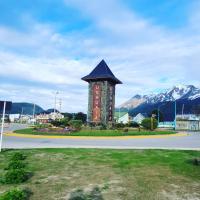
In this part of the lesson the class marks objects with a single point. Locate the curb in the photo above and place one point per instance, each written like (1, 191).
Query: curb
(95, 137)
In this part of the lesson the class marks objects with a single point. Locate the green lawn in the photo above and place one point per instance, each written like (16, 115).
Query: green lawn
(96, 132)
(109, 174)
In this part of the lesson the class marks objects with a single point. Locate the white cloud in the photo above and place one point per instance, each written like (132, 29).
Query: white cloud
(139, 53)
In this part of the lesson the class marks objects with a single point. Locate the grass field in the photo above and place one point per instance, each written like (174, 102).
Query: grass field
(96, 132)
(109, 174)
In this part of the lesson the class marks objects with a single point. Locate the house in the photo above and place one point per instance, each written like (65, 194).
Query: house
(122, 117)
(192, 125)
(14, 117)
(47, 117)
(139, 117)
(188, 117)
(188, 122)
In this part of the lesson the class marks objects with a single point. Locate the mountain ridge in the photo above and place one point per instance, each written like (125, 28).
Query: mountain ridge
(189, 92)
(186, 96)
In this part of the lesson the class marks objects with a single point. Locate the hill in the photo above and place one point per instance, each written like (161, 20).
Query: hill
(25, 108)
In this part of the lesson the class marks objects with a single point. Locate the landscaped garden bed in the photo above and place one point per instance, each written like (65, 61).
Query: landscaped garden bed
(93, 132)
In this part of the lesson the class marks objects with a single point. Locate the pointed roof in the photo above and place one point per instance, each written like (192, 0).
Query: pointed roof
(101, 72)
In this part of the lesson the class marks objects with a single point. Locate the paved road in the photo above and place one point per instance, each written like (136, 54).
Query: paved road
(14, 126)
(189, 141)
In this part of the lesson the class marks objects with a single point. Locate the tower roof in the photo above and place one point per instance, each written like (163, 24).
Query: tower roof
(101, 72)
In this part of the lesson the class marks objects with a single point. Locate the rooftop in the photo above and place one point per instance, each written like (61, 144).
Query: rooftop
(102, 72)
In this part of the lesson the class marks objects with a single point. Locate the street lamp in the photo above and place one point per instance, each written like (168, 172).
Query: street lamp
(34, 113)
(56, 93)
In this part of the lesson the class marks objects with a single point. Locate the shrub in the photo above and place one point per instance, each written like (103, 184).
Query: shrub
(196, 161)
(15, 194)
(119, 125)
(125, 130)
(15, 176)
(78, 195)
(18, 156)
(61, 123)
(133, 124)
(149, 123)
(39, 126)
(15, 164)
(76, 124)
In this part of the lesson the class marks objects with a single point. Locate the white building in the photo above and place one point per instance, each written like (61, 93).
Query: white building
(188, 117)
(138, 118)
(124, 119)
(47, 117)
(14, 117)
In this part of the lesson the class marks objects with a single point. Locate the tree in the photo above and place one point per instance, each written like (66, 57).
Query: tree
(81, 116)
(76, 124)
(68, 115)
(62, 122)
(149, 123)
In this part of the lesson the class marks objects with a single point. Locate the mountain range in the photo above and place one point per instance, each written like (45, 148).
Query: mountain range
(187, 99)
(28, 109)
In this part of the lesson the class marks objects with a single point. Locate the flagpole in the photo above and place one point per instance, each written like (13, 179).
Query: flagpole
(2, 124)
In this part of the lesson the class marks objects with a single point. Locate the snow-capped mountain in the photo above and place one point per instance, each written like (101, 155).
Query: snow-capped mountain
(176, 93)
(134, 102)
(187, 92)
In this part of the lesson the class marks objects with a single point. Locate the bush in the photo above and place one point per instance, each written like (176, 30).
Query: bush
(147, 123)
(15, 194)
(15, 176)
(196, 161)
(119, 125)
(15, 164)
(39, 126)
(61, 123)
(18, 156)
(125, 130)
(133, 125)
(76, 124)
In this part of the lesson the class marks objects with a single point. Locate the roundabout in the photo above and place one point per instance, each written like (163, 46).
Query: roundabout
(182, 140)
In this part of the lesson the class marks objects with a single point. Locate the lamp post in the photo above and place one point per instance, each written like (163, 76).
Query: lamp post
(34, 113)
(54, 112)
(2, 124)
(158, 115)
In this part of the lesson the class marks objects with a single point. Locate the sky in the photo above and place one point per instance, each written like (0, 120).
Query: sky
(48, 45)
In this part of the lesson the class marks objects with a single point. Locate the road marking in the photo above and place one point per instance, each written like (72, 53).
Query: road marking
(96, 137)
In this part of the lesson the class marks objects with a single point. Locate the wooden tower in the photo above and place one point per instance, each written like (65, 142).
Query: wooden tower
(101, 98)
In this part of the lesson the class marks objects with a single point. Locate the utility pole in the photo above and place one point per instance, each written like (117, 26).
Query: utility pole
(158, 116)
(21, 114)
(33, 113)
(183, 110)
(60, 104)
(151, 123)
(119, 115)
(175, 115)
(56, 93)
(2, 124)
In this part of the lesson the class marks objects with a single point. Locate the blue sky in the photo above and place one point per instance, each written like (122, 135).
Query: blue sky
(48, 45)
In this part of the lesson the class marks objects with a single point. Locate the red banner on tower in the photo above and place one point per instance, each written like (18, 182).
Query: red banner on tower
(110, 112)
(96, 115)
